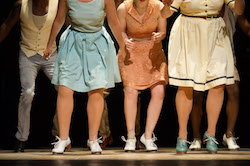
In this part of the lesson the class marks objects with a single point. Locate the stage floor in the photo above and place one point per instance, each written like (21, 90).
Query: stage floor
(119, 154)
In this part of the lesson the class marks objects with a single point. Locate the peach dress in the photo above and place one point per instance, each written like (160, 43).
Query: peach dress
(146, 64)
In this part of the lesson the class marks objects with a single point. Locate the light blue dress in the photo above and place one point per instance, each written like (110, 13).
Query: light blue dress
(87, 57)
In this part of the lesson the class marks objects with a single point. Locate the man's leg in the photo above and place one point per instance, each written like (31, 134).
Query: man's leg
(28, 73)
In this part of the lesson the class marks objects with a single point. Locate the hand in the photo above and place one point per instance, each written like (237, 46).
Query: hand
(47, 52)
(130, 45)
(167, 3)
(156, 37)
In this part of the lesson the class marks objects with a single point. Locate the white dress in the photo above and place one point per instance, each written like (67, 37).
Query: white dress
(200, 53)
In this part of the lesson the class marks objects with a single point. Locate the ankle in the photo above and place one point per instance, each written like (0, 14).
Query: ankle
(210, 133)
(183, 135)
(131, 134)
(148, 135)
(92, 138)
(229, 134)
(63, 138)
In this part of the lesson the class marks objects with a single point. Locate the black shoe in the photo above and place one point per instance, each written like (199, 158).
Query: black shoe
(19, 146)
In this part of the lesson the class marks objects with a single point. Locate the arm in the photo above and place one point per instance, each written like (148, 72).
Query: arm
(117, 3)
(121, 11)
(165, 11)
(161, 29)
(57, 25)
(237, 6)
(244, 25)
(114, 22)
(10, 21)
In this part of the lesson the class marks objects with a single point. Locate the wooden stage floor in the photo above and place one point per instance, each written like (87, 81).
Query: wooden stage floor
(117, 157)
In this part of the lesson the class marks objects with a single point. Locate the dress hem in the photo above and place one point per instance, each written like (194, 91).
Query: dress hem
(86, 90)
(185, 82)
(143, 87)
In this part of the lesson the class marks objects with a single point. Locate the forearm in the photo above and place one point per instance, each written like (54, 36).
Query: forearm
(4, 31)
(58, 22)
(163, 35)
(116, 30)
(10, 21)
(124, 36)
(166, 12)
(57, 25)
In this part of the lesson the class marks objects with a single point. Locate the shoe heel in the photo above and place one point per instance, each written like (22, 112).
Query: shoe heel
(181, 152)
(68, 147)
(54, 153)
(96, 153)
(204, 142)
(212, 152)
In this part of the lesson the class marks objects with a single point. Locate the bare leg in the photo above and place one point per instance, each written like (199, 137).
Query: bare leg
(184, 102)
(197, 113)
(232, 108)
(138, 117)
(64, 110)
(154, 108)
(130, 110)
(104, 129)
(94, 109)
(214, 103)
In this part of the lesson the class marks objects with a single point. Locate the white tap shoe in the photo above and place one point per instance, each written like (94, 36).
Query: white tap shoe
(130, 144)
(196, 144)
(94, 146)
(61, 145)
(230, 142)
(149, 143)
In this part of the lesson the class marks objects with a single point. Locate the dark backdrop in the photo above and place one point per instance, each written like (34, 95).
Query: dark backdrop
(44, 101)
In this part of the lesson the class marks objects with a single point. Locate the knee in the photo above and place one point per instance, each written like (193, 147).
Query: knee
(128, 91)
(158, 92)
(28, 94)
(186, 91)
(64, 92)
(218, 89)
(233, 91)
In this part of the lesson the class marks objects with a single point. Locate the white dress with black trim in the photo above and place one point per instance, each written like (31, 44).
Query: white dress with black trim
(200, 53)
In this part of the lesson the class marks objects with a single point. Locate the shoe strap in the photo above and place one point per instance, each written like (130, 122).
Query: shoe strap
(98, 140)
(182, 141)
(212, 139)
(154, 138)
(126, 140)
(57, 142)
(232, 137)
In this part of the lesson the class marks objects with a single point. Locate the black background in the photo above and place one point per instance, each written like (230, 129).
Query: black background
(45, 100)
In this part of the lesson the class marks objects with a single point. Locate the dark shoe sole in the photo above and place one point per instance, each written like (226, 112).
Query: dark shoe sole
(212, 152)
(129, 151)
(54, 153)
(195, 149)
(181, 152)
(96, 153)
(151, 151)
